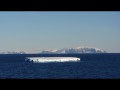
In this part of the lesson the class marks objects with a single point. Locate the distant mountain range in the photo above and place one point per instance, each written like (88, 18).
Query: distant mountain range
(74, 50)
(62, 51)
(14, 52)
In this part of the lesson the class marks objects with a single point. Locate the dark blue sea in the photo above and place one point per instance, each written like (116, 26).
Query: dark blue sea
(91, 66)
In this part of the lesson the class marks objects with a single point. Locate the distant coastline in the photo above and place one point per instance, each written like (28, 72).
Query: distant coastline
(78, 50)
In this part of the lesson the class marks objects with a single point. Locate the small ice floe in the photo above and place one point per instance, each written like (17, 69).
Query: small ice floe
(52, 59)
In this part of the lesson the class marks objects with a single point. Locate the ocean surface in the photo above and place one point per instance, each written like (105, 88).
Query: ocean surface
(91, 66)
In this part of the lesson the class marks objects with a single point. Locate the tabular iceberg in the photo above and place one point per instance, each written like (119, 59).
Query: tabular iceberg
(52, 59)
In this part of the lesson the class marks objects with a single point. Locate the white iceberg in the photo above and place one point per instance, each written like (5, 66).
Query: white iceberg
(52, 59)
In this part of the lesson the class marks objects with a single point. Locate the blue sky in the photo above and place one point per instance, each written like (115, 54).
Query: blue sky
(42, 30)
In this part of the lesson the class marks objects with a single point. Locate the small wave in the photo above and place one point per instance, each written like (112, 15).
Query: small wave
(52, 59)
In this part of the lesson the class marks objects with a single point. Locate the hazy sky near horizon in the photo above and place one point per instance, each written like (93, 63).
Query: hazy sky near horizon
(42, 30)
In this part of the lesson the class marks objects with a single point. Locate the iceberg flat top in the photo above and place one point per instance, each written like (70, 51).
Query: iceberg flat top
(52, 59)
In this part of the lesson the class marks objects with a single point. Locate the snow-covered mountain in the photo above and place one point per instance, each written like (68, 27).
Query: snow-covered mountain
(13, 52)
(60, 51)
(74, 50)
